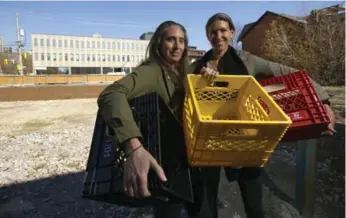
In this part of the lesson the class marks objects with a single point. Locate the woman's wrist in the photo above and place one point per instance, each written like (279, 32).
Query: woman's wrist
(131, 145)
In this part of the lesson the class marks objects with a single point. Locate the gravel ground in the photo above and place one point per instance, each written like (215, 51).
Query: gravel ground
(45, 145)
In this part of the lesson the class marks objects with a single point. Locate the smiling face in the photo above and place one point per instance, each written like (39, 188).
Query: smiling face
(219, 35)
(173, 44)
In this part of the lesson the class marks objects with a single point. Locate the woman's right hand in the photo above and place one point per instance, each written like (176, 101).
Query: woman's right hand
(136, 168)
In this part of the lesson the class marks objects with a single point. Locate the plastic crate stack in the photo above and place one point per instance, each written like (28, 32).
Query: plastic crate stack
(163, 137)
(297, 97)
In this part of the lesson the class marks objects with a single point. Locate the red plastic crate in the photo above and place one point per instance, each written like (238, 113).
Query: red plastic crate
(299, 100)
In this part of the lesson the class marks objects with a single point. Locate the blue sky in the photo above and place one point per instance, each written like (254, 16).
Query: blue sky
(131, 19)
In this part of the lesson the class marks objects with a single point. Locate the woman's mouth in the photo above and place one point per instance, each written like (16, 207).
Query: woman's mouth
(175, 54)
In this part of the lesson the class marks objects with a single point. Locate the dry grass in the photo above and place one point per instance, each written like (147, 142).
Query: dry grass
(35, 125)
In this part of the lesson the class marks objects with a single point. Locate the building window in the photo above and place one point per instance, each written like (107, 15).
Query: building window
(113, 45)
(36, 56)
(48, 56)
(93, 57)
(65, 43)
(60, 56)
(54, 43)
(88, 57)
(42, 42)
(103, 45)
(60, 43)
(88, 44)
(98, 57)
(118, 45)
(82, 44)
(42, 56)
(103, 58)
(77, 57)
(35, 42)
(83, 57)
(118, 58)
(132, 46)
(71, 57)
(109, 58)
(98, 45)
(54, 56)
(108, 45)
(123, 46)
(66, 57)
(48, 42)
(71, 43)
(113, 58)
(128, 46)
(77, 44)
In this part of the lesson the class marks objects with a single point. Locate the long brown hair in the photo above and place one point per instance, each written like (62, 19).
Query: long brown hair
(153, 49)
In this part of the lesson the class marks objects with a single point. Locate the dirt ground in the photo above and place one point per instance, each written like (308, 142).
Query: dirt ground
(44, 148)
(52, 92)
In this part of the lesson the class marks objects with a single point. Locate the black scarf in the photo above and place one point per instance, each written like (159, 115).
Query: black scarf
(229, 64)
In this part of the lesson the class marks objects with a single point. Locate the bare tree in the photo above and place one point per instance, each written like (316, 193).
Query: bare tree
(316, 46)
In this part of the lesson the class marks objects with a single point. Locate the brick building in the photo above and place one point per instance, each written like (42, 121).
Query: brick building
(253, 34)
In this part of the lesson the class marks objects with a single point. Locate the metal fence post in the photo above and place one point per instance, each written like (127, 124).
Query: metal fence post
(305, 177)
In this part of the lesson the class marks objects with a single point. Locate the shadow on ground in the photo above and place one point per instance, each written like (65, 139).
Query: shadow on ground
(280, 174)
(58, 196)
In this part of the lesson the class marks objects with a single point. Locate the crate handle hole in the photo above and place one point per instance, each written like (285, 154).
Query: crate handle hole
(221, 84)
(274, 87)
(263, 105)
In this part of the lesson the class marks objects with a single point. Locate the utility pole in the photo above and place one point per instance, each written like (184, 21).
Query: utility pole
(19, 46)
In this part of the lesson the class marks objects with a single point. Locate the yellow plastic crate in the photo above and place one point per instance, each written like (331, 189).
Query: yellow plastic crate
(235, 125)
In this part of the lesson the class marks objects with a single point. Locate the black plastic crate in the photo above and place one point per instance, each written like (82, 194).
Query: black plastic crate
(163, 138)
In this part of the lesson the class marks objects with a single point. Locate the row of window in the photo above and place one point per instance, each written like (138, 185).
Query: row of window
(87, 57)
(89, 44)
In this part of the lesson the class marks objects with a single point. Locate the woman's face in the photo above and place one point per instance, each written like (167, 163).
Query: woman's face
(173, 44)
(220, 35)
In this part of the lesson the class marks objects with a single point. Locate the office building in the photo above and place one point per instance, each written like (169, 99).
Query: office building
(85, 54)
(194, 54)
